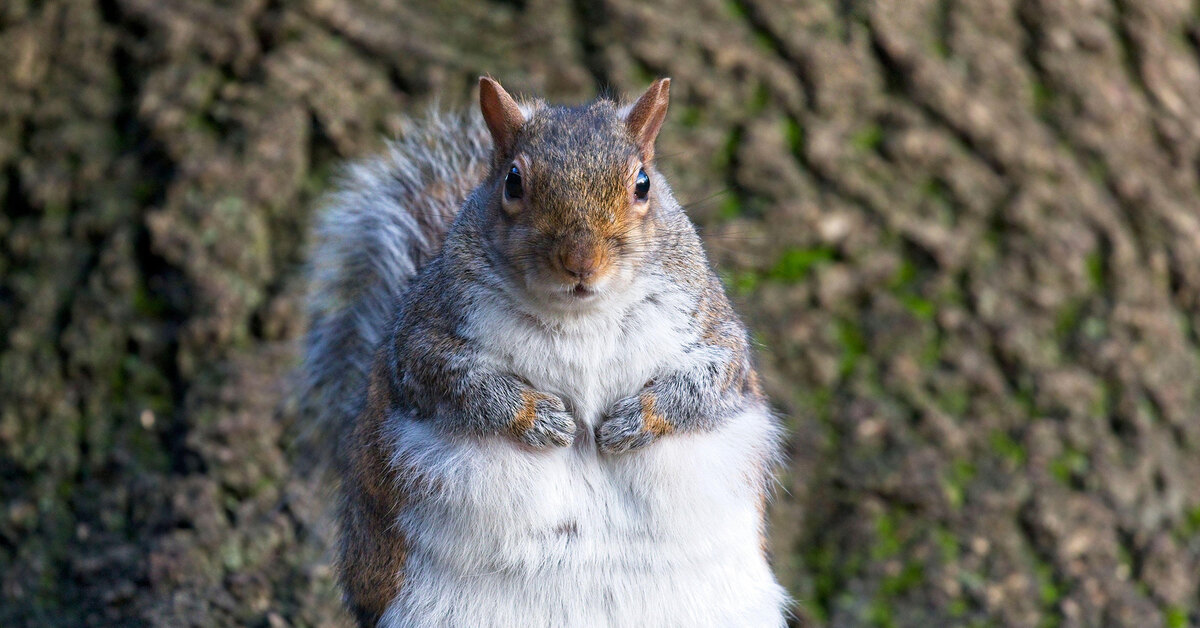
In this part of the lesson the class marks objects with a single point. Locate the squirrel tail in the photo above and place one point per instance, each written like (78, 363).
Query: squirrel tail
(387, 218)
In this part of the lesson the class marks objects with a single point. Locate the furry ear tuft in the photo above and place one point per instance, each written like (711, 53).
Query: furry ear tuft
(501, 113)
(646, 117)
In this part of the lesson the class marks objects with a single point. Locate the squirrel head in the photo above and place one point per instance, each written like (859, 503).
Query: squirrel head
(573, 191)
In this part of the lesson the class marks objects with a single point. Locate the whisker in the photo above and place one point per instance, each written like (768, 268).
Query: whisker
(705, 199)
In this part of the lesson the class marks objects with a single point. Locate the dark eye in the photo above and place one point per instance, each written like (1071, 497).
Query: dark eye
(641, 187)
(512, 184)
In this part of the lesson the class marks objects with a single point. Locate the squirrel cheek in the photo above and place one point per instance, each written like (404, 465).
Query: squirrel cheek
(639, 208)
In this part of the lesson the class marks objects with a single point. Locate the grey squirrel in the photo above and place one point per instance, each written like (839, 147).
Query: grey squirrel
(548, 411)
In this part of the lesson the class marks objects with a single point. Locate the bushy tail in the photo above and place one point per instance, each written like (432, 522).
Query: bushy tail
(387, 219)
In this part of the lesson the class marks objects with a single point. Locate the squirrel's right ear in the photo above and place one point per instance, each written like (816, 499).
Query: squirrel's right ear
(646, 116)
(501, 113)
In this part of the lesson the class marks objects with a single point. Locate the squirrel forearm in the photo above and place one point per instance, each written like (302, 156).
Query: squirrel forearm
(465, 395)
(698, 397)
(469, 397)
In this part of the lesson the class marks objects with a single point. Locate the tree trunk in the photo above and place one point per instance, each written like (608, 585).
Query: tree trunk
(967, 235)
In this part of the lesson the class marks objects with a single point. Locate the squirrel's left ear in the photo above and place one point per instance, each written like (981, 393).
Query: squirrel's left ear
(646, 116)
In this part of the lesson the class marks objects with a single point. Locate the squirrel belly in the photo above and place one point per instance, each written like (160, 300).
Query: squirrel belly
(666, 536)
(543, 408)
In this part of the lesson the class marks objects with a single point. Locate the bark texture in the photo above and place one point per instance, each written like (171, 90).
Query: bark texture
(967, 235)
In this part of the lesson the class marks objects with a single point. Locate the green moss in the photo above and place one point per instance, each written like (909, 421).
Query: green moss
(202, 123)
(143, 192)
(935, 189)
(869, 138)
(822, 563)
(762, 96)
(880, 614)
(852, 343)
(794, 134)
(147, 450)
(1049, 590)
(1050, 620)
(819, 402)
(906, 580)
(887, 537)
(1174, 617)
(147, 304)
(947, 543)
(956, 402)
(1101, 405)
(796, 263)
(1042, 97)
(764, 41)
(56, 210)
(644, 74)
(905, 277)
(1190, 527)
(1069, 466)
(727, 156)
(1004, 446)
(319, 178)
(919, 306)
(730, 208)
(1096, 271)
(1066, 320)
(742, 282)
(1024, 395)
(960, 475)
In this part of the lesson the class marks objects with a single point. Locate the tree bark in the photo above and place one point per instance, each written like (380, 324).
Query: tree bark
(966, 234)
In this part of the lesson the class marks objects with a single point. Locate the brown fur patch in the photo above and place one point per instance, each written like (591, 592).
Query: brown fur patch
(527, 415)
(752, 386)
(652, 421)
(372, 549)
(762, 525)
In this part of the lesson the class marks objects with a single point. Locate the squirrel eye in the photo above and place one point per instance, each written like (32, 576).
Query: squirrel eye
(512, 184)
(641, 187)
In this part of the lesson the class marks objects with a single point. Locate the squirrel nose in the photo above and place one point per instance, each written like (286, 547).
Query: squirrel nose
(580, 262)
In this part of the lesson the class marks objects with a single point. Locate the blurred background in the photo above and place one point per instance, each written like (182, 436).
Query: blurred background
(966, 235)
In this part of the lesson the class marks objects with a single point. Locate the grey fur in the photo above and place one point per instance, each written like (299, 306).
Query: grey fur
(387, 219)
(623, 428)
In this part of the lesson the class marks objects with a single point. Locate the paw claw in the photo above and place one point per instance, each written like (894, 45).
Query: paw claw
(624, 428)
(552, 426)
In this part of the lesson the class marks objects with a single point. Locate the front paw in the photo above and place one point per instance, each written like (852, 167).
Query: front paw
(631, 424)
(543, 422)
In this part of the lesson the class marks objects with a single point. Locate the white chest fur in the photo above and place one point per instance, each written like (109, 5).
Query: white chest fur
(594, 362)
(666, 536)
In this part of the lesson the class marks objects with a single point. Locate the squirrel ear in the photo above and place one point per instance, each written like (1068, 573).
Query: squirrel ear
(501, 113)
(646, 116)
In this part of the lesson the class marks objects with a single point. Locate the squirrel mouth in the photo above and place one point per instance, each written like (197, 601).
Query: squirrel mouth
(581, 291)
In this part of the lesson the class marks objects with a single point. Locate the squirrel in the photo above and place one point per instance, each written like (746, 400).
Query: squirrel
(547, 409)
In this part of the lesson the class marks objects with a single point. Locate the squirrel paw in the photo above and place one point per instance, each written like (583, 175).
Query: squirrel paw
(630, 424)
(544, 422)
